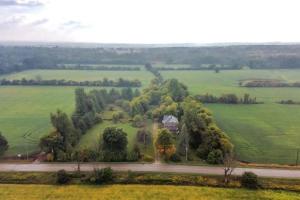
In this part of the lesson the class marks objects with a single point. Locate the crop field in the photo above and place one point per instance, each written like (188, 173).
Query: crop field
(147, 192)
(83, 75)
(27, 110)
(268, 132)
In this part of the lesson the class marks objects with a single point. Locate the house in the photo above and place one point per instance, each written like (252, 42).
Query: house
(170, 122)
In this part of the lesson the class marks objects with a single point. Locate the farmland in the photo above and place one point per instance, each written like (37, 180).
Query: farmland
(26, 109)
(33, 192)
(266, 132)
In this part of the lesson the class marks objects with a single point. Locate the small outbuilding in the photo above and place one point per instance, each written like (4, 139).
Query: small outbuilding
(170, 122)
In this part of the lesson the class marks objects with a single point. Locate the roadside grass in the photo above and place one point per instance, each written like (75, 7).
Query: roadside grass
(269, 132)
(32, 192)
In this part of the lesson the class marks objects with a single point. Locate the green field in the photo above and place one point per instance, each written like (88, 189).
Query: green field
(147, 192)
(92, 137)
(83, 75)
(267, 132)
(27, 109)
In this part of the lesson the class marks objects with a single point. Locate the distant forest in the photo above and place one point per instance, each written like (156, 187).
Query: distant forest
(17, 58)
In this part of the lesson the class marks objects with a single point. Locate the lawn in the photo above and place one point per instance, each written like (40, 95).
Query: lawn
(268, 132)
(92, 137)
(147, 192)
(83, 75)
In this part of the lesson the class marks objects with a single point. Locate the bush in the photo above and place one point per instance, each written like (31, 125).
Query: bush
(101, 176)
(215, 157)
(62, 177)
(250, 180)
(148, 158)
(175, 158)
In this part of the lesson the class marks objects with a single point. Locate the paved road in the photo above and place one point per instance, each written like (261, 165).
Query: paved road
(156, 167)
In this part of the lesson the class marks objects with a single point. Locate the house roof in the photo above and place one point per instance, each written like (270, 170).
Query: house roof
(169, 119)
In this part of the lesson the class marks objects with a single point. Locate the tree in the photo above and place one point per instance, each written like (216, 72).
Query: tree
(184, 141)
(229, 166)
(3, 144)
(64, 127)
(165, 141)
(114, 140)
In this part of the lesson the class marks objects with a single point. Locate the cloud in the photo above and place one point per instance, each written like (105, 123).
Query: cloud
(21, 3)
(72, 25)
(13, 21)
(39, 22)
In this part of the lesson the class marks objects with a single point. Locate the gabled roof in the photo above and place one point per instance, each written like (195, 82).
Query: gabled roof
(169, 119)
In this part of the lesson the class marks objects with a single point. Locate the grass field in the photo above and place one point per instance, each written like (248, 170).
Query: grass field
(147, 192)
(28, 109)
(267, 132)
(83, 75)
(92, 137)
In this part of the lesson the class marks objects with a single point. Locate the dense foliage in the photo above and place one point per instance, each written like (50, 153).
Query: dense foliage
(250, 180)
(227, 99)
(13, 58)
(3, 144)
(101, 83)
(268, 83)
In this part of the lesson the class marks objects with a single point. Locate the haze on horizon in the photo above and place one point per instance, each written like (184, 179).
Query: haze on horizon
(155, 21)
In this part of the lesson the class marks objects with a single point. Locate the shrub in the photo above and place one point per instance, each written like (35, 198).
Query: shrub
(215, 157)
(148, 158)
(62, 177)
(101, 176)
(137, 121)
(250, 180)
(175, 158)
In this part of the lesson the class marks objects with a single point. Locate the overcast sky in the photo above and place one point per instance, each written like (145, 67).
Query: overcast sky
(150, 21)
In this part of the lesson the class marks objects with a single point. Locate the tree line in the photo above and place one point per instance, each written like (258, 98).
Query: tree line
(154, 71)
(227, 99)
(268, 83)
(99, 68)
(100, 83)
(18, 58)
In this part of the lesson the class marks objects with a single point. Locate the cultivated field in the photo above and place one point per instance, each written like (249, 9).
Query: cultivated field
(27, 110)
(147, 192)
(267, 132)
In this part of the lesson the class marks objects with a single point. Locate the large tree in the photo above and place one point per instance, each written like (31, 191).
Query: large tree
(3, 144)
(114, 140)
(165, 142)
